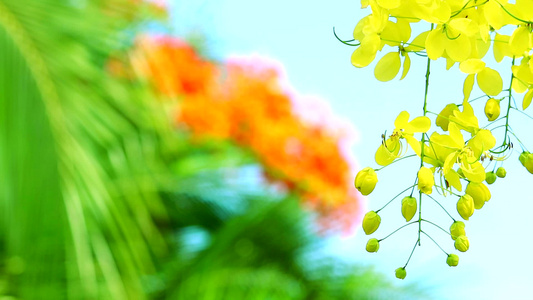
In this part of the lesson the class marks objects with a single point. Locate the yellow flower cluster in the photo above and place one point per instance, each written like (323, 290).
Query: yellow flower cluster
(462, 31)
(457, 160)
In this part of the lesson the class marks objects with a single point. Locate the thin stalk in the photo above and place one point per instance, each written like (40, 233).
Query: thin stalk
(435, 243)
(377, 211)
(397, 230)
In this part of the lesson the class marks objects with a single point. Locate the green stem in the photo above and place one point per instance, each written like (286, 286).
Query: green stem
(413, 251)
(423, 145)
(397, 230)
(435, 242)
(508, 106)
(437, 226)
(442, 207)
(396, 160)
(377, 211)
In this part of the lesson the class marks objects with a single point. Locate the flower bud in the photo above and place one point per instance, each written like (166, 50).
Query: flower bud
(526, 159)
(408, 208)
(465, 206)
(479, 192)
(425, 180)
(372, 245)
(492, 109)
(501, 172)
(457, 229)
(401, 273)
(366, 180)
(443, 118)
(371, 222)
(461, 243)
(452, 260)
(460, 172)
(490, 177)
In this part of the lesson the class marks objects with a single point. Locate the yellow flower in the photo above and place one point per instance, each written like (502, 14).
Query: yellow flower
(425, 180)
(371, 222)
(366, 180)
(468, 156)
(462, 244)
(400, 273)
(457, 229)
(392, 147)
(443, 117)
(372, 245)
(479, 192)
(452, 260)
(465, 206)
(492, 109)
(408, 208)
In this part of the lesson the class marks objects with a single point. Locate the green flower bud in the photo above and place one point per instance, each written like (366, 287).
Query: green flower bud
(452, 260)
(408, 208)
(371, 222)
(460, 172)
(401, 273)
(490, 177)
(465, 206)
(366, 180)
(492, 109)
(372, 245)
(461, 243)
(443, 118)
(501, 172)
(425, 180)
(526, 159)
(457, 229)
(479, 192)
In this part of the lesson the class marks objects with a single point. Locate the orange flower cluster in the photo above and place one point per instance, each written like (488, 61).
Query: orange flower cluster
(244, 101)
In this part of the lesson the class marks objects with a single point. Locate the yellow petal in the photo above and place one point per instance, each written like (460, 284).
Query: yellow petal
(388, 67)
(464, 26)
(473, 172)
(401, 120)
(468, 85)
(453, 179)
(490, 82)
(365, 54)
(519, 41)
(494, 14)
(527, 99)
(414, 143)
(519, 87)
(406, 66)
(501, 47)
(459, 49)
(418, 124)
(435, 43)
(472, 66)
(387, 154)
(419, 43)
(388, 4)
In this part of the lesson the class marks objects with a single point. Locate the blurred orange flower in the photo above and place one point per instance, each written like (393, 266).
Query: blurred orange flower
(244, 100)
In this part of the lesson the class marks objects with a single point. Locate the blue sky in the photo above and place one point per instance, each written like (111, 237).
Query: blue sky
(299, 35)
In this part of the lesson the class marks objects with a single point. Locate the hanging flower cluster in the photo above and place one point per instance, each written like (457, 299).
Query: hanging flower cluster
(459, 158)
(244, 100)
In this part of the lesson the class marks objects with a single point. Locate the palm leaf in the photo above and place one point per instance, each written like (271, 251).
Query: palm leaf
(77, 152)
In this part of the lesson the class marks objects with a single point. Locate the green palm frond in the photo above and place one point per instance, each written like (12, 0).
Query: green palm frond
(78, 150)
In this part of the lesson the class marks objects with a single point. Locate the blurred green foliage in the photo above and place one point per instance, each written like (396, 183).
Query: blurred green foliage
(101, 199)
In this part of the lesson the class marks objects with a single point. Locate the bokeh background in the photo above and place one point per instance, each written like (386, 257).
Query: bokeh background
(206, 150)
